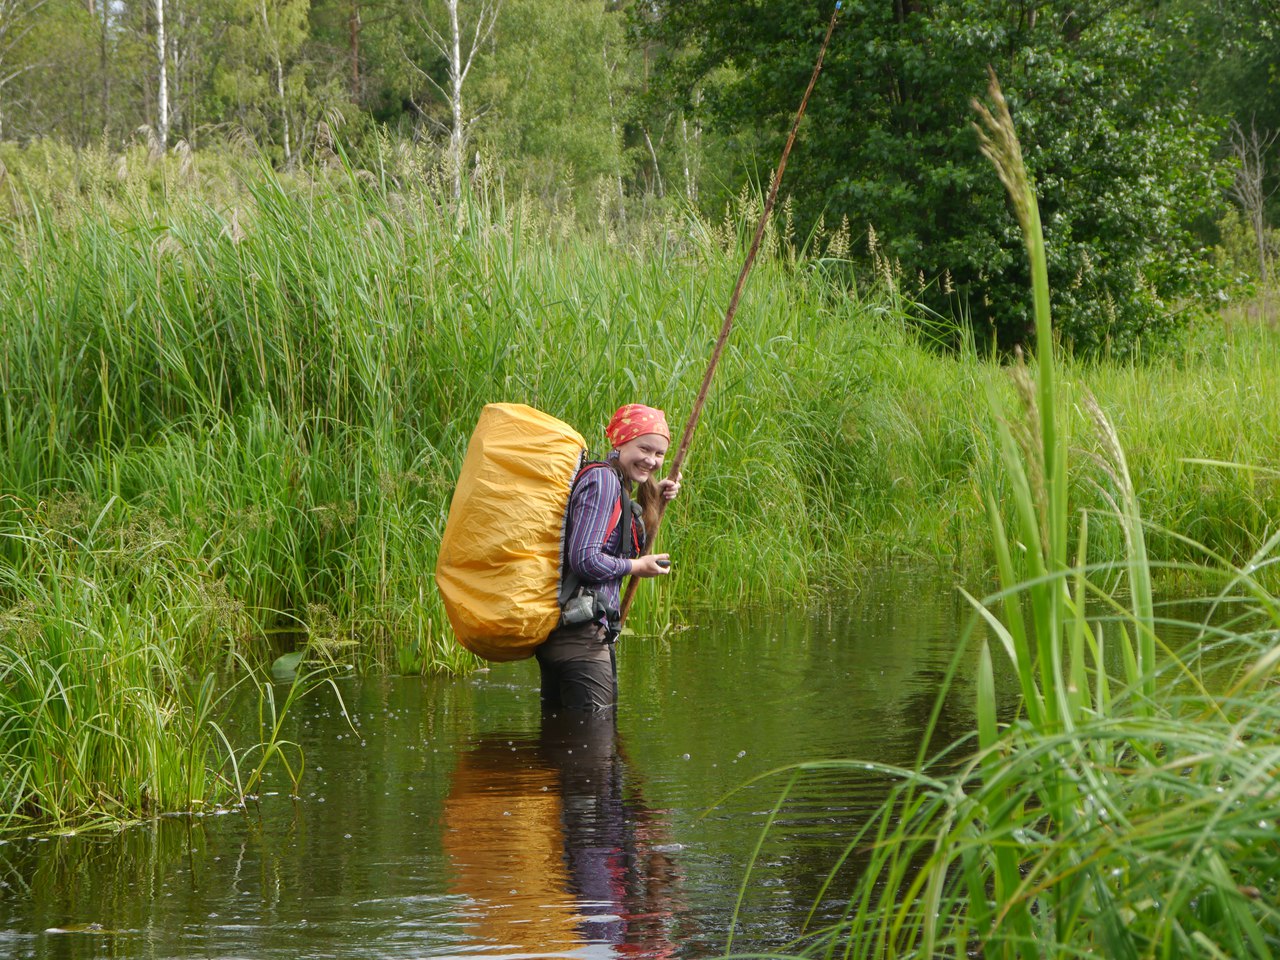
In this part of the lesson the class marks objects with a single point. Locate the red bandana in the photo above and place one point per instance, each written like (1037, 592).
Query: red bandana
(635, 420)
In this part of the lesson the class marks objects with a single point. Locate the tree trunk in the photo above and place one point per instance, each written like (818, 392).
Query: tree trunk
(449, 46)
(162, 78)
(284, 113)
(1260, 236)
(353, 27)
(653, 155)
(691, 154)
(1249, 186)
(104, 67)
(456, 134)
(690, 190)
(284, 105)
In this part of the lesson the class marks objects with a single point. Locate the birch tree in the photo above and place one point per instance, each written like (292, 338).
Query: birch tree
(1249, 185)
(162, 79)
(692, 143)
(468, 30)
(273, 44)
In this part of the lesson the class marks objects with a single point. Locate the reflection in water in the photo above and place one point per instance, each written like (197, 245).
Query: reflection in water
(421, 832)
(553, 848)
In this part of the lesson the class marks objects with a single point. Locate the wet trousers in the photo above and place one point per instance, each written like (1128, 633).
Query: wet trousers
(578, 669)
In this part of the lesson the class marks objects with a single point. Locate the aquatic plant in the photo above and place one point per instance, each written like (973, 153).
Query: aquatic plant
(114, 679)
(285, 370)
(1126, 806)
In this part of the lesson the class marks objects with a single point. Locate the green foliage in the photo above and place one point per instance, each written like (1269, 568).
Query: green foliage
(234, 404)
(1236, 251)
(1118, 811)
(555, 92)
(565, 105)
(1122, 164)
(110, 635)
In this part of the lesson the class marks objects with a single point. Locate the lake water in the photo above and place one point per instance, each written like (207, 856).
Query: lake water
(450, 818)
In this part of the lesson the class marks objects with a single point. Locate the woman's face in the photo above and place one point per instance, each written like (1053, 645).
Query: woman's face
(641, 458)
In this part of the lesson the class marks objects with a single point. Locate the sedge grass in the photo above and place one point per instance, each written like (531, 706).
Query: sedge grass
(266, 384)
(303, 362)
(1126, 808)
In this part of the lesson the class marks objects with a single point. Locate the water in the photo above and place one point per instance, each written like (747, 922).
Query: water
(449, 818)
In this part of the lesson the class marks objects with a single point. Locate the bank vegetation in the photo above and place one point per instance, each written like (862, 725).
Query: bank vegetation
(234, 403)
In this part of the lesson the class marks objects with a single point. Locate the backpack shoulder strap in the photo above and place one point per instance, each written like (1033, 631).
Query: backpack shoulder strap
(569, 581)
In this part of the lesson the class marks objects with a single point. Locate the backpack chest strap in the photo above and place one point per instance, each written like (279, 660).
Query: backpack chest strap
(629, 546)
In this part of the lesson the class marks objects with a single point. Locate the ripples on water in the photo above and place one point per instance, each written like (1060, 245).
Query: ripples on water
(452, 819)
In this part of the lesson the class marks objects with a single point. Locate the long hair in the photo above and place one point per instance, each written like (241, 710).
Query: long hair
(648, 495)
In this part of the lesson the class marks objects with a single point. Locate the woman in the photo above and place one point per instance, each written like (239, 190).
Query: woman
(604, 543)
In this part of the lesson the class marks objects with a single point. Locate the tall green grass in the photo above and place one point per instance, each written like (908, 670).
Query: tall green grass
(1127, 807)
(293, 383)
(249, 395)
(109, 704)
(287, 370)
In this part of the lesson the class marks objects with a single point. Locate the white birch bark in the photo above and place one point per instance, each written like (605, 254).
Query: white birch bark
(274, 44)
(456, 76)
(692, 151)
(653, 155)
(459, 49)
(162, 80)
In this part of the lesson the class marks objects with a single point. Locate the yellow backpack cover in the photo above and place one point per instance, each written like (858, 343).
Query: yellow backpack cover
(498, 570)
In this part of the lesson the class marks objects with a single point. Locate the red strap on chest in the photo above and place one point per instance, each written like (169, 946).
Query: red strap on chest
(615, 515)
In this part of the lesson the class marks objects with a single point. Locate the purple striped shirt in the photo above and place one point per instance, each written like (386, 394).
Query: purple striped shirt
(589, 554)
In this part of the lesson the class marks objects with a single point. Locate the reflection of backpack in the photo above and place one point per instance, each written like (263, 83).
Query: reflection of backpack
(498, 570)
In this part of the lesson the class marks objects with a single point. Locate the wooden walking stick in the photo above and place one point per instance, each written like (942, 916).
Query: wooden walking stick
(689, 427)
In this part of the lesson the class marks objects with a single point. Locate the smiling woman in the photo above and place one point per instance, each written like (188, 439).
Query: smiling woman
(604, 542)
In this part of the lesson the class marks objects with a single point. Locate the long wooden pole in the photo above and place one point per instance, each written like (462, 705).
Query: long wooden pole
(687, 436)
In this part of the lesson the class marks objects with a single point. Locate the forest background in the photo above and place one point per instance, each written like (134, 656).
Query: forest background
(1150, 124)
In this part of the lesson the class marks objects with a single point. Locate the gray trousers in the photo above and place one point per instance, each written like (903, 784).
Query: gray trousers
(578, 669)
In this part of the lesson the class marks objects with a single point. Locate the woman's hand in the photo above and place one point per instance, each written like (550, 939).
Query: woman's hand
(669, 487)
(651, 565)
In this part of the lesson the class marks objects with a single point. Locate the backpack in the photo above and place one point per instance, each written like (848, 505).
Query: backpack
(500, 569)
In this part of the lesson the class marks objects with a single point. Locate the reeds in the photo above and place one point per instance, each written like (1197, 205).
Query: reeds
(263, 386)
(109, 703)
(1126, 807)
